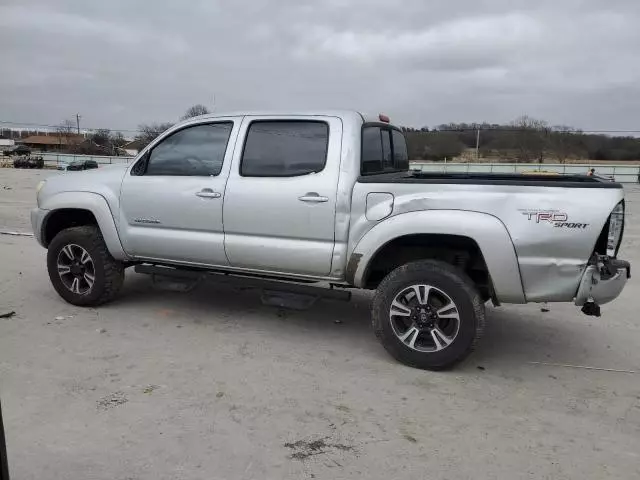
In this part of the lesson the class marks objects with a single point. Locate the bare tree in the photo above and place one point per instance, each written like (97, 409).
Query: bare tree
(64, 132)
(562, 142)
(102, 137)
(194, 111)
(66, 127)
(150, 131)
(108, 141)
(441, 146)
(532, 138)
(118, 139)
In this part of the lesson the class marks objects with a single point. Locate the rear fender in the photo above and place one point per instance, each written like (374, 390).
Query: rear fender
(487, 231)
(97, 205)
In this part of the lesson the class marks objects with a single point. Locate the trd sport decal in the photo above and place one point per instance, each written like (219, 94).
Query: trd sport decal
(556, 218)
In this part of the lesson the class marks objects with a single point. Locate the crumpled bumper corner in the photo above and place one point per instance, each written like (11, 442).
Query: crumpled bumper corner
(603, 282)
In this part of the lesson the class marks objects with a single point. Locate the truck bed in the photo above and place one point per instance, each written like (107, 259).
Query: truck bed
(539, 180)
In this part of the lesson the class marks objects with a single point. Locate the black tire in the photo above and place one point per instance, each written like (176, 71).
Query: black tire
(108, 272)
(454, 283)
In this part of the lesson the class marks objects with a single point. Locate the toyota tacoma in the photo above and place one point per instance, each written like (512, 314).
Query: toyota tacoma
(329, 198)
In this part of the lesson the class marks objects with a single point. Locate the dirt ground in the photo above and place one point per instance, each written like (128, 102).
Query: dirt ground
(212, 384)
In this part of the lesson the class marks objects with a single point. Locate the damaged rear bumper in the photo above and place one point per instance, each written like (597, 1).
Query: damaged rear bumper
(602, 281)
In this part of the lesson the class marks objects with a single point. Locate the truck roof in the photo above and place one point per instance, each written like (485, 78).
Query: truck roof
(350, 115)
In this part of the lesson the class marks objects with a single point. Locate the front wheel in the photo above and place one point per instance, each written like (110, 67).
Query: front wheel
(428, 314)
(81, 269)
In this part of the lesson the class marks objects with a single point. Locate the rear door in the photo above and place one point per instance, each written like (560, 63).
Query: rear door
(171, 199)
(280, 200)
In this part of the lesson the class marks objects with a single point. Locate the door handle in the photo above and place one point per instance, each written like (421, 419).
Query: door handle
(208, 193)
(313, 197)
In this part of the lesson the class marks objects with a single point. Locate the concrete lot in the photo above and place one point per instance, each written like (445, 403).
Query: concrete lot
(212, 384)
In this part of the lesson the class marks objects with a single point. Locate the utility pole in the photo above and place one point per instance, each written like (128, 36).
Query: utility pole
(78, 122)
(478, 145)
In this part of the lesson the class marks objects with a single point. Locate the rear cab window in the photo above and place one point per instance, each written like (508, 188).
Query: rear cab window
(384, 150)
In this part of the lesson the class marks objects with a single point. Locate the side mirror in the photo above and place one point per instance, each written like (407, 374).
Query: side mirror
(141, 165)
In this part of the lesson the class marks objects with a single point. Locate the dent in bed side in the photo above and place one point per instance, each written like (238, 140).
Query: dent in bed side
(551, 259)
(487, 231)
(98, 206)
(349, 172)
(352, 266)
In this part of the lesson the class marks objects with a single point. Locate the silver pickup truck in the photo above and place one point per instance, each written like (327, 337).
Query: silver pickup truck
(329, 198)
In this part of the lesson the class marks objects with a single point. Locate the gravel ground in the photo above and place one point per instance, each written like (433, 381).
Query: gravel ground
(212, 384)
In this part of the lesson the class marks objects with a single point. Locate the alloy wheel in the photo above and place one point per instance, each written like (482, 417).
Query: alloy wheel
(76, 269)
(424, 318)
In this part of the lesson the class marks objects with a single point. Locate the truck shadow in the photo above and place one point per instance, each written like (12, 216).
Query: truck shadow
(227, 307)
(513, 334)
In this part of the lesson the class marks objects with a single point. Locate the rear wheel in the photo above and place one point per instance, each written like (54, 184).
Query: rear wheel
(81, 269)
(428, 314)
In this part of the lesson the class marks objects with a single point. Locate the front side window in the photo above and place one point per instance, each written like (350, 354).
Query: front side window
(192, 151)
(284, 148)
(383, 150)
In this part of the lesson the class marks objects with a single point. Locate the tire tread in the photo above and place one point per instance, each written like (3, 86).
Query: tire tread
(113, 269)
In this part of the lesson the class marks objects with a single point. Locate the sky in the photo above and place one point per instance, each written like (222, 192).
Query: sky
(120, 63)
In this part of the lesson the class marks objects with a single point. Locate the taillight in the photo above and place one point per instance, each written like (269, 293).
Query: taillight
(616, 228)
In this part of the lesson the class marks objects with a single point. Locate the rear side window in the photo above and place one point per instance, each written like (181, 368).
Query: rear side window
(371, 150)
(400, 153)
(192, 151)
(383, 150)
(387, 159)
(284, 148)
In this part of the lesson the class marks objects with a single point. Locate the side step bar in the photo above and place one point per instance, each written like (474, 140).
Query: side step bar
(245, 280)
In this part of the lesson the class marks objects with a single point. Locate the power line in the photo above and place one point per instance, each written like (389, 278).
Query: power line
(518, 129)
(43, 125)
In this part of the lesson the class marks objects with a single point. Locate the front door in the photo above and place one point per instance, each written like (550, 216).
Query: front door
(280, 202)
(171, 199)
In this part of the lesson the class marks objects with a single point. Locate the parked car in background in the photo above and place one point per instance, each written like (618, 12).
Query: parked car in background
(17, 150)
(77, 165)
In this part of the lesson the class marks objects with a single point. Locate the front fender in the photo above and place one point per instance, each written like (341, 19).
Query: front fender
(486, 230)
(94, 203)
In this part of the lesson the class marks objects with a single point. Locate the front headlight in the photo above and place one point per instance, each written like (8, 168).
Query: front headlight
(616, 227)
